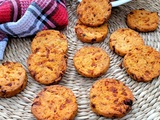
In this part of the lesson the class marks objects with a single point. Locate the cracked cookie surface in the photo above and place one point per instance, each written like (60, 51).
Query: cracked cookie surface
(91, 61)
(94, 12)
(110, 98)
(124, 39)
(13, 79)
(142, 20)
(142, 63)
(55, 102)
(91, 34)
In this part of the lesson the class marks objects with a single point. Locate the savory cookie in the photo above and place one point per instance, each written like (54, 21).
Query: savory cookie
(91, 61)
(55, 103)
(142, 63)
(94, 12)
(142, 20)
(91, 34)
(13, 79)
(49, 40)
(124, 39)
(47, 68)
(110, 98)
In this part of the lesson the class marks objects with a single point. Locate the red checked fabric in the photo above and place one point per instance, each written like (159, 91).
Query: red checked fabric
(22, 18)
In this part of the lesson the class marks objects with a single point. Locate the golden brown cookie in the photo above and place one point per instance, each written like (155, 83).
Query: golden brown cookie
(91, 34)
(55, 103)
(124, 39)
(110, 98)
(142, 63)
(91, 61)
(94, 12)
(13, 79)
(47, 68)
(49, 40)
(142, 20)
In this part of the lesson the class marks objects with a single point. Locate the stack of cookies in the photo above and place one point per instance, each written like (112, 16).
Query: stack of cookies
(141, 62)
(91, 26)
(47, 63)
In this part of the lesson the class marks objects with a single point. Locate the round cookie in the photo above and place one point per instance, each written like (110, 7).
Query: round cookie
(94, 12)
(124, 39)
(110, 98)
(142, 63)
(47, 68)
(91, 61)
(91, 34)
(142, 20)
(51, 40)
(13, 79)
(55, 103)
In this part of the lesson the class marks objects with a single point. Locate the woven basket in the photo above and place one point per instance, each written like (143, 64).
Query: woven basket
(147, 95)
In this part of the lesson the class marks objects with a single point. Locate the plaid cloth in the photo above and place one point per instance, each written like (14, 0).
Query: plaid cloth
(29, 17)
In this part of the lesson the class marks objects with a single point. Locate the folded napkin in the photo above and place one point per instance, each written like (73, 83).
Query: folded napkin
(22, 18)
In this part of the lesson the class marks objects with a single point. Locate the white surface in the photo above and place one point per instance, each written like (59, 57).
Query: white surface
(116, 3)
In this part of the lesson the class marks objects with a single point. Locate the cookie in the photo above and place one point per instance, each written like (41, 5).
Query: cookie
(49, 40)
(91, 61)
(94, 12)
(55, 102)
(47, 68)
(13, 79)
(124, 39)
(142, 63)
(142, 20)
(110, 98)
(91, 34)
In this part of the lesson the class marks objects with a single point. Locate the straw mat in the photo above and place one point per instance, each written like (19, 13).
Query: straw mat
(147, 95)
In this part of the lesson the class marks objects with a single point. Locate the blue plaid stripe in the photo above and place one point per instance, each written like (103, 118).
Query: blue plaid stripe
(3, 44)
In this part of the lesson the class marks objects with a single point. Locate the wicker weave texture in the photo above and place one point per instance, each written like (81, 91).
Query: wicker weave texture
(147, 95)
